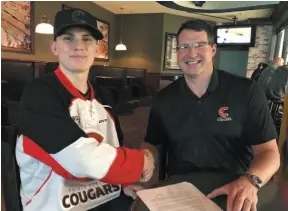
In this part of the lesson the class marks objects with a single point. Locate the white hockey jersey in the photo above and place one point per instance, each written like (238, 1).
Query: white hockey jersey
(68, 151)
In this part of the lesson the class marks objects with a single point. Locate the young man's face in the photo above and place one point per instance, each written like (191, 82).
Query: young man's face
(76, 49)
(195, 61)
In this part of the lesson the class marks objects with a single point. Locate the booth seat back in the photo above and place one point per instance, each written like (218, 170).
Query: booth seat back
(14, 76)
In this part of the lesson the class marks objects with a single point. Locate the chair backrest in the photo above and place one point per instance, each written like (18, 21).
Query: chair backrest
(10, 111)
(115, 72)
(276, 110)
(10, 171)
(118, 83)
(49, 67)
(136, 73)
(107, 71)
(14, 77)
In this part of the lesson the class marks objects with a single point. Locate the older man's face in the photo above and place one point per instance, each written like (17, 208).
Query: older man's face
(194, 61)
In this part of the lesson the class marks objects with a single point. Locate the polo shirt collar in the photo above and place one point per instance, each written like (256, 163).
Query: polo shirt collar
(184, 89)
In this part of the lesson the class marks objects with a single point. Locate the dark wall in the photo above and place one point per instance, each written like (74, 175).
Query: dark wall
(171, 25)
(50, 8)
(142, 34)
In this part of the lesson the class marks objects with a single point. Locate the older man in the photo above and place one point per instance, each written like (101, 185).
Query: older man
(278, 85)
(267, 73)
(213, 121)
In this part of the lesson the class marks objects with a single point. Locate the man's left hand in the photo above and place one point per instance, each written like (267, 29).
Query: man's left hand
(241, 195)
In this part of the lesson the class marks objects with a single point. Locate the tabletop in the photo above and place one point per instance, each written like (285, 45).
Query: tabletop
(205, 182)
(271, 197)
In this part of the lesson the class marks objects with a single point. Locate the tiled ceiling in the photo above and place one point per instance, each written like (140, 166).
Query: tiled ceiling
(136, 7)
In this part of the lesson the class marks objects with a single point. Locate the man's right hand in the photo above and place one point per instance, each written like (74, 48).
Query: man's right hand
(149, 166)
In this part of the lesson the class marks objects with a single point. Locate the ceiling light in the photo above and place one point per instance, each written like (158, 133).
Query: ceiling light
(44, 27)
(121, 46)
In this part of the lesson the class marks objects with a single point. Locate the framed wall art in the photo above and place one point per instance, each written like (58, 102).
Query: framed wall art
(102, 45)
(170, 55)
(17, 26)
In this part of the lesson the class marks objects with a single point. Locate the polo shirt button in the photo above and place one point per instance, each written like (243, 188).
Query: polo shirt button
(200, 114)
(199, 101)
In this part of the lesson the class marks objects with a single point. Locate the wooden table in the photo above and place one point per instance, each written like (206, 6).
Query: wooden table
(271, 196)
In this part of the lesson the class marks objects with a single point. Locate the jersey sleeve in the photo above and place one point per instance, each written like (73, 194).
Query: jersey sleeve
(258, 124)
(51, 136)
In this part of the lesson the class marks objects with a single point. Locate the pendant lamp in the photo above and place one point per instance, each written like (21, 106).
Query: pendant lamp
(44, 27)
(121, 46)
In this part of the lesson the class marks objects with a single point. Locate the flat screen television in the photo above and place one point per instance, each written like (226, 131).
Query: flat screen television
(242, 35)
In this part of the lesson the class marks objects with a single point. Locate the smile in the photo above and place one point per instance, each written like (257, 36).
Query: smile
(193, 62)
(80, 57)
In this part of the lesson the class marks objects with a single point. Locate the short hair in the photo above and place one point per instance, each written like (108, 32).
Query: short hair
(198, 25)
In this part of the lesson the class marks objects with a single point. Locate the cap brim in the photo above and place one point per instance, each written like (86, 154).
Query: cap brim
(93, 30)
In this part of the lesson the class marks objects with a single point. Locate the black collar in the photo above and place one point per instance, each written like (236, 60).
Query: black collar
(184, 89)
(213, 82)
(87, 94)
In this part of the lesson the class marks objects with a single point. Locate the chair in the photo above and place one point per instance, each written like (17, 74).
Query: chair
(136, 79)
(10, 171)
(276, 110)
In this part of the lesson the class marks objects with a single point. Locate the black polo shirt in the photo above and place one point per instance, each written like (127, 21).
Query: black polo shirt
(214, 132)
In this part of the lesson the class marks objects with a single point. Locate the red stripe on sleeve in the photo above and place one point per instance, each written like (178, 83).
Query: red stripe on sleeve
(32, 149)
(126, 168)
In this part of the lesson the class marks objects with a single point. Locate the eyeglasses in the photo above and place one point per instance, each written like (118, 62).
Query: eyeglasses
(197, 45)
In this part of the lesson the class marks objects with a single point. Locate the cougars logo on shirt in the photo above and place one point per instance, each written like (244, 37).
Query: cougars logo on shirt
(224, 115)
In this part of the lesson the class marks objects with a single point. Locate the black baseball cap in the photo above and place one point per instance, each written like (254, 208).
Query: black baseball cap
(75, 17)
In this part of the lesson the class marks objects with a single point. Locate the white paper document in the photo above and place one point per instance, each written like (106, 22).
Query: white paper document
(177, 197)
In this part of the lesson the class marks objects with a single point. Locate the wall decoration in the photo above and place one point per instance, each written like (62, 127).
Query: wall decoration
(102, 45)
(170, 56)
(17, 27)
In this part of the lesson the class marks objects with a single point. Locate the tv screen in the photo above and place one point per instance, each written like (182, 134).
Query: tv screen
(235, 35)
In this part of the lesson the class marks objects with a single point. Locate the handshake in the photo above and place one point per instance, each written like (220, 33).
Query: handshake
(149, 166)
(147, 173)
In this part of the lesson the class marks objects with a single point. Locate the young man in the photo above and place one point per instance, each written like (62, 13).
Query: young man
(213, 121)
(68, 151)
